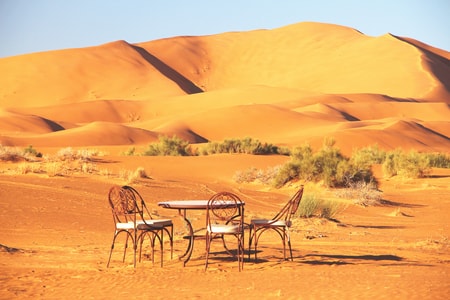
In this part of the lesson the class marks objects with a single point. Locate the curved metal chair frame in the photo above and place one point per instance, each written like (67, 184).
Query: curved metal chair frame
(132, 217)
(280, 223)
(225, 216)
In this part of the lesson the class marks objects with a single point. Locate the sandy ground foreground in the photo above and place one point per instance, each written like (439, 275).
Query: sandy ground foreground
(57, 231)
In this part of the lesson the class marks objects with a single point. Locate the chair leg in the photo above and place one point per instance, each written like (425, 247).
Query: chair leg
(111, 251)
(241, 252)
(161, 247)
(288, 235)
(170, 234)
(256, 237)
(290, 249)
(208, 246)
(125, 249)
(250, 238)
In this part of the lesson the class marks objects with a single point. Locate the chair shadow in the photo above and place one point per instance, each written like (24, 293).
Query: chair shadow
(385, 202)
(379, 226)
(348, 259)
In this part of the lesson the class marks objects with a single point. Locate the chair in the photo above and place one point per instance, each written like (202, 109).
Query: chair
(129, 214)
(280, 223)
(225, 216)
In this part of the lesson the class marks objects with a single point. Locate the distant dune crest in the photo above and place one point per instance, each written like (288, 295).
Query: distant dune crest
(290, 85)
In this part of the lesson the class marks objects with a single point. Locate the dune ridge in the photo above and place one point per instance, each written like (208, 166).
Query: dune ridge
(290, 85)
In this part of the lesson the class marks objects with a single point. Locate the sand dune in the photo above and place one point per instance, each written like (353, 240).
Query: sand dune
(93, 134)
(290, 85)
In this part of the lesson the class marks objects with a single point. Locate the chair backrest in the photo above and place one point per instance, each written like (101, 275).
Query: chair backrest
(224, 208)
(141, 208)
(123, 205)
(290, 208)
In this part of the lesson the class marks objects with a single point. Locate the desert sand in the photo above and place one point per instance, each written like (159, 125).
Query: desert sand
(57, 233)
(287, 86)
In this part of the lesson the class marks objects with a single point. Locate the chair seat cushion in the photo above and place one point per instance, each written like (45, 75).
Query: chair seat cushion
(124, 226)
(154, 223)
(274, 223)
(221, 228)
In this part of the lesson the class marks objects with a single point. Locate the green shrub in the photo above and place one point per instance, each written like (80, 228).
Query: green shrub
(130, 152)
(166, 146)
(439, 160)
(368, 155)
(409, 165)
(312, 205)
(327, 165)
(329, 209)
(246, 146)
(31, 151)
(309, 205)
(286, 173)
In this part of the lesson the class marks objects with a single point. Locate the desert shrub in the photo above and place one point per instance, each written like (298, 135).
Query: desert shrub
(409, 165)
(15, 154)
(246, 145)
(130, 152)
(140, 173)
(309, 205)
(31, 151)
(326, 162)
(304, 162)
(368, 155)
(29, 167)
(66, 154)
(133, 176)
(167, 146)
(253, 174)
(87, 167)
(287, 172)
(313, 205)
(55, 168)
(414, 165)
(329, 209)
(327, 165)
(438, 160)
(10, 154)
(362, 193)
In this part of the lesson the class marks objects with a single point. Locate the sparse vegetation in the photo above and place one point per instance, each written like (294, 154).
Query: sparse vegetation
(309, 205)
(439, 160)
(410, 165)
(353, 176)
(166, 146)
(362, 193)
(15, 154)
(312, 205)
(258, 175)
(31, 151)
(327, 165)
(246, 145)
(133, 176)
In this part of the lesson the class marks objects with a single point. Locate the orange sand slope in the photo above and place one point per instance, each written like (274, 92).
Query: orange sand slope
(286, 86)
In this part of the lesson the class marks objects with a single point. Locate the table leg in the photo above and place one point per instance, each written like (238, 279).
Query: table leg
(190, 248)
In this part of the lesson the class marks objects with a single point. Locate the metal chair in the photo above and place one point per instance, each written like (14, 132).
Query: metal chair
(131, 217)
(280, 223)
(225, 216)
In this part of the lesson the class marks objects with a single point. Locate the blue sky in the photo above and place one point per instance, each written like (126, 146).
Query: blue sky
(28, 26)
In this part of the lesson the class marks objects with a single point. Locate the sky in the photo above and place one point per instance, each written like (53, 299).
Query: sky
(28, 26)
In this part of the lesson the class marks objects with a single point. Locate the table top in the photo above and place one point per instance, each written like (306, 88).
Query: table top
(188, 204)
